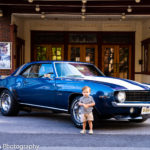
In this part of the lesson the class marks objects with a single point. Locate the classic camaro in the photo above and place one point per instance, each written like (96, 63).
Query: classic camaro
(57, 85)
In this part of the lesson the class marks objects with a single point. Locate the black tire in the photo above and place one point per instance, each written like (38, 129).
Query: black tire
(138, 120)
(9, 106)
(74, 111)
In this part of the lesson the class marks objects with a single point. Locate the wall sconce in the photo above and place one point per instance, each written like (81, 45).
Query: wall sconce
(137, 1)
(30, 1)
(1, 13)
(43, 15)
(123, 16)
(129, 9)
(37, 8)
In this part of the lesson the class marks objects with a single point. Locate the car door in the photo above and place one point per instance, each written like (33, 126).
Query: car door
(35, 86)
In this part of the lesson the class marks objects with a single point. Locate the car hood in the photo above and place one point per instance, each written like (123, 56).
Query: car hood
(118, 84)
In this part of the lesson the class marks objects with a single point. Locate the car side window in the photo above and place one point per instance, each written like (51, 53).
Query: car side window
(26, 72)
(46, 69)
(32, 71)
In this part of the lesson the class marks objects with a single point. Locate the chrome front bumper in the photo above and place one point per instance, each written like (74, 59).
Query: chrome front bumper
(115, 104)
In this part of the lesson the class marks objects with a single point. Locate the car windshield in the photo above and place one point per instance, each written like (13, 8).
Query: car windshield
(76, 70)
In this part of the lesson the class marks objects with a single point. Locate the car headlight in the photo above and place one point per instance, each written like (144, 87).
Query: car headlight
(121, 97)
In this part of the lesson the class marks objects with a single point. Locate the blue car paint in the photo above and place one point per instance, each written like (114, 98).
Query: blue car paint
(70, 86)
(31, 90)
(56, 92)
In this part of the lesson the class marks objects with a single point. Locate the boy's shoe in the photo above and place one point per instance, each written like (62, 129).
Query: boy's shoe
(90, 131)
(83, 131)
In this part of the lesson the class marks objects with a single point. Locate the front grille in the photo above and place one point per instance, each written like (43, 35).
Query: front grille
(138, 96)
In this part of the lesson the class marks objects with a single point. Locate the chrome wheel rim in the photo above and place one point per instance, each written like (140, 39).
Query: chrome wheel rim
(76, 113)
(6, 102)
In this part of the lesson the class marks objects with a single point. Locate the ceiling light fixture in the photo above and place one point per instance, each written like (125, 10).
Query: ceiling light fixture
(84, 1)
(1, 13)
(129, 9)
(37, 8)
(83, 10)
(83, 17)
(30, 1)
(123, 16)
(43, 15)
(137, 1)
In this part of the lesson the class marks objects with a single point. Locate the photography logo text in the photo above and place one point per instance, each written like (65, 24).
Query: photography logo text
(19, 147)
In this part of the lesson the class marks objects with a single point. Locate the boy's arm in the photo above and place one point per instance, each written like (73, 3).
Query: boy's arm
(91, 104)
(80, 104)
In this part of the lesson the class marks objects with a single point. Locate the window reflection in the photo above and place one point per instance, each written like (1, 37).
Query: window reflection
(41, 53)
(90, 55)
(124, 62)
(75, 53)
(109, 61)
(76, 70)
(56, 53)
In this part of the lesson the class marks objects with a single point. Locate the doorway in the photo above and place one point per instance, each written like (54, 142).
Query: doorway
(48, 52)
(84, 53)
(116, 61)
(20, 52)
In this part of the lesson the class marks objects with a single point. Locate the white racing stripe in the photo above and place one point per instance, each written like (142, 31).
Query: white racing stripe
(125, 84)
(146, 85)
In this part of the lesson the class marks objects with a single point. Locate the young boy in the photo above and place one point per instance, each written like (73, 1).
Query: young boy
(86, 102)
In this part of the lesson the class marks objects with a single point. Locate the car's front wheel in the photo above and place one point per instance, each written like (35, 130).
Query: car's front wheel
(75, 113)
(9, 106)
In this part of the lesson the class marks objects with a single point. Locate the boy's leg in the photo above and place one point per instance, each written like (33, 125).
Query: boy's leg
(84, 125)
(90, 124)
(83, 119)
(83, 131)
(90, 119)
(91, 127)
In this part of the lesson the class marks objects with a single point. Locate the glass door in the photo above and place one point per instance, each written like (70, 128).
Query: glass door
(41, 52)
(83, 53)
(48, 52)
(91, 54)
(116, 61)
(108, 61)
(57, 52)
(74, 52)
(124, 62)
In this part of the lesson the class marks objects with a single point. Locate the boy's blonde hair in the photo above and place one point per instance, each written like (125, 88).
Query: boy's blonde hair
(85, 88)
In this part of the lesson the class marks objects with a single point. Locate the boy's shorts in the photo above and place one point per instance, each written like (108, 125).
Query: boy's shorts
(87, 117)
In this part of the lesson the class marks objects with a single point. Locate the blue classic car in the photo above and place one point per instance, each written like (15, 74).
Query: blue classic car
(57, 85)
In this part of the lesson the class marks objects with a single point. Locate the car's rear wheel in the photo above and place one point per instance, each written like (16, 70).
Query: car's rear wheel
(75, 114)
(9, 106)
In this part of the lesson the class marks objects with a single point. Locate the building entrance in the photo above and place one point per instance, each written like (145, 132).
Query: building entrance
(112, 52)
(85, 53)
(116, 60)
